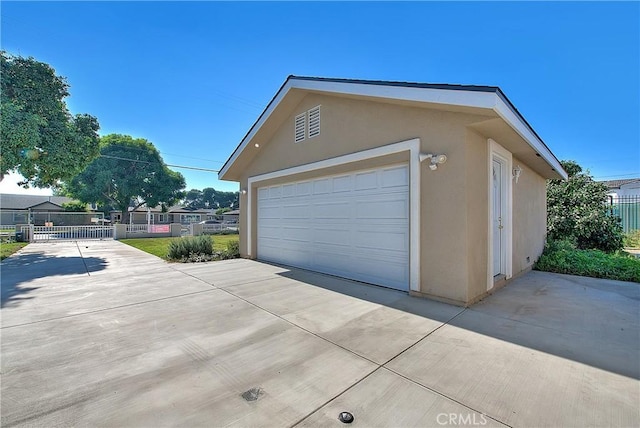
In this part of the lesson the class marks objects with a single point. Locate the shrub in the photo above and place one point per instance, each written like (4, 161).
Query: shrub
(562, 256)
(577, 210)
(233, 250)
(200, 249)
(190, 246)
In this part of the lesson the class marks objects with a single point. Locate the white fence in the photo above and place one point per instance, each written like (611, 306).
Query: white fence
(218, 227)
(66, 233)
(148, 228)
(7, 231)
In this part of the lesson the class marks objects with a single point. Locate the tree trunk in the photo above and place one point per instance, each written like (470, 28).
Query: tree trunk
(124, 219)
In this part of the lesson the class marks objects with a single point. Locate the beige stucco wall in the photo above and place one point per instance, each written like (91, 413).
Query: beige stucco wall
(477, 182)
(529, 218)
(454, 199)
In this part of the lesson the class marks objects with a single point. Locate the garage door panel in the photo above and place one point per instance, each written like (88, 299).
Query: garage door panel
(333, 263)
(367, 180)
(383, 209)
(321, 187)
(300, 234)
(288, 190)
(296, 211)
(270, 232)
(334, 236)
(303, 188)
(342, 184)
(271, 213)
(391, 273)
(385, 240)
(394, 177)
(331, 210)
(275, 192)
(353, 225)
(289, 256)
(263, 193)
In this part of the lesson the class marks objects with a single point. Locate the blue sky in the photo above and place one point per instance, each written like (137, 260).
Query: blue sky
(193, 77)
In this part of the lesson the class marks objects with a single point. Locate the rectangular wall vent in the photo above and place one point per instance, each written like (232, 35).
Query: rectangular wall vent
(300, 125)
(314, 122)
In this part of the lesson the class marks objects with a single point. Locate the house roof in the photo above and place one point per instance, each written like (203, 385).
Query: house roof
(24, 202)
(483, 97)
(171, 210)
(616, 184)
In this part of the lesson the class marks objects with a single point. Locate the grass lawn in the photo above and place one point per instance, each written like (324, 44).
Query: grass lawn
(159, 246)
(8, 248)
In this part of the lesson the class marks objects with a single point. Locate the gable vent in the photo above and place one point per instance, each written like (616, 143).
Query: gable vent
(314, 122)
(300, 123)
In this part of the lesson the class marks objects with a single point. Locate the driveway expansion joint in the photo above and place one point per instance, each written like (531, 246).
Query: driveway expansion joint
(106, 309)
(82, 258)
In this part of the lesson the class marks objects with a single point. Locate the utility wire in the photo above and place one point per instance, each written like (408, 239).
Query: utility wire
(124, 146)
(167, 164)
(617, 175)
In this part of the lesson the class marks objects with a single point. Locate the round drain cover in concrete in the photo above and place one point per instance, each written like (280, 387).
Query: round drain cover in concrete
(253, 394)
(345, 417)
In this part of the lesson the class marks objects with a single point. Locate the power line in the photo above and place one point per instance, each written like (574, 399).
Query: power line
(617, 175)
(167, 164)
(124, 146)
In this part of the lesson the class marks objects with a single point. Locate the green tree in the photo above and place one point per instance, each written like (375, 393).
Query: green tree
(128, 173)
(39, 137)
(193, 199)
(210, 198)
(577, 210)
(74, 206)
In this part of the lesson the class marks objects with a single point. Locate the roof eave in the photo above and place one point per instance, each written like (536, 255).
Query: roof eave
(457, 95)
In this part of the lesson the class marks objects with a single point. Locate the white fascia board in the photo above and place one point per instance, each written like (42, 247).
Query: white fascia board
(425, 95)
(456, 97)
(256, 127)
(477, 99)
(508, 115)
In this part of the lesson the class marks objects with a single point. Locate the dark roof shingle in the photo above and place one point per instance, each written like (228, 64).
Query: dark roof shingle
(24, 202)
(615, 184)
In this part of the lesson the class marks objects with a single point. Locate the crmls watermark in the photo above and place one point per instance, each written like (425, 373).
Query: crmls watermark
(454, 419)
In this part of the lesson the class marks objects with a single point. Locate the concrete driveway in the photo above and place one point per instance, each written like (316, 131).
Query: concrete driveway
(100, 334)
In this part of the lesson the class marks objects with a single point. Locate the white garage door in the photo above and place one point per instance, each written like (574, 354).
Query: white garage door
(352, 225)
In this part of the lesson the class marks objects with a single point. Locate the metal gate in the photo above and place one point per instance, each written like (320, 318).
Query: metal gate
(33, 233)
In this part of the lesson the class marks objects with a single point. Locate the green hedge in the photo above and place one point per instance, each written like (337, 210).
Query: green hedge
(563, 257)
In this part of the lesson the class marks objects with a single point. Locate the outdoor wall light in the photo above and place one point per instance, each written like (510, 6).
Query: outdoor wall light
(257, 145)
(516, 172)
(435, 160)
(243, 191)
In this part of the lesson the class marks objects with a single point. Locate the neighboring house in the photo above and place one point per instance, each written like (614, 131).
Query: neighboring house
(140, 215)
(18, 209)
(623, 188)
(231, 216)
(175, 214)
(346, 177)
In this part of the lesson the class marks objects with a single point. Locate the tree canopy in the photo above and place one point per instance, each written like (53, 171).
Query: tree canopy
(210, 198)
(577, 210)
(128, 173)
(40, 139)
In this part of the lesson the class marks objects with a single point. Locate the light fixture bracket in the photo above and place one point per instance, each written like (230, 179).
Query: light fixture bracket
(434, 160)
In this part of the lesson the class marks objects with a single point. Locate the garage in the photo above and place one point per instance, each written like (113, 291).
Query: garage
(353, 225)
